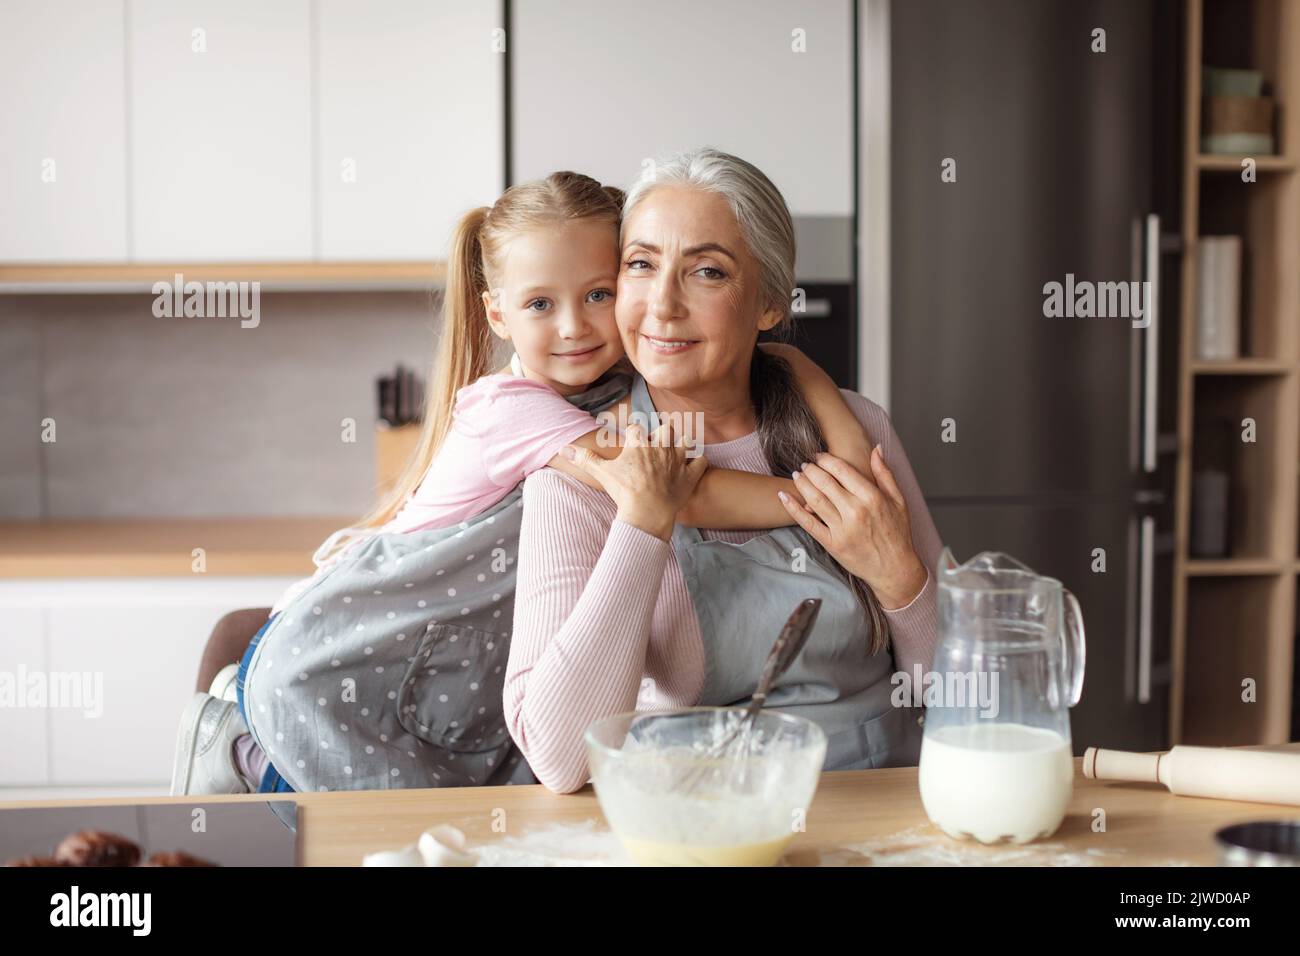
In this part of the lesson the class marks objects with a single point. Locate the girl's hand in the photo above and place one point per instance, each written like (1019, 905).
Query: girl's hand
(650, 480)
(864, 525)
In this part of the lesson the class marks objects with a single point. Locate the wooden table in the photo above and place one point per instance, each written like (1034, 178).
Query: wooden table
(858, 818)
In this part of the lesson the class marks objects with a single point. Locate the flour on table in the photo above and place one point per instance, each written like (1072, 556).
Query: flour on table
(589, 843)
(928, 846)
(557, 844)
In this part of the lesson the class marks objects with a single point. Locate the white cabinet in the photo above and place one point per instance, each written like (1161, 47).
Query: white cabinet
(62, 117)
(144, 660)
(411, 124)
(599, 87)
(220, 130)
(125, 653)
(24, 722)
(246, 131)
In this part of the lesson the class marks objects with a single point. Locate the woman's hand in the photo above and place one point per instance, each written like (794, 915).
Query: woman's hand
(650, 479)
(863, 524)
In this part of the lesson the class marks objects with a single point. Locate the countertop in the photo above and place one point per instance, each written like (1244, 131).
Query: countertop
(162, 548)
(858, 818)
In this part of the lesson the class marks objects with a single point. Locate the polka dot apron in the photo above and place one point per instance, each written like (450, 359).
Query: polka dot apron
(389, 670)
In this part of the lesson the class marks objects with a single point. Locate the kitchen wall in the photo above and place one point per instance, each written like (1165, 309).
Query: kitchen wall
(352, 109)
(132, 397)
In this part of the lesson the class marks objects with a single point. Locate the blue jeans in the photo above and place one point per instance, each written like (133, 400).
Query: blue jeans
(272, 782)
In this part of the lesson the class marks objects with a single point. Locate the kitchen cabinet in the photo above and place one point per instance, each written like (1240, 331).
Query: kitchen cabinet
(411, 124)
(62, 109)
(131, 647)
(297, 137)
(144, 658)
(600, 88)
(24, 729)
(220, 130)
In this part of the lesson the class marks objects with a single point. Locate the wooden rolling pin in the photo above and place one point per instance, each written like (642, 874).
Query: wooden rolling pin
(1226, 774)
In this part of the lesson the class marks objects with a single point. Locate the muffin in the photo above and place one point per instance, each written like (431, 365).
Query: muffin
(97, 848)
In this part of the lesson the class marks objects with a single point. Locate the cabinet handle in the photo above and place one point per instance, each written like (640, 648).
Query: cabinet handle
(1151, 346)
(1146, 606)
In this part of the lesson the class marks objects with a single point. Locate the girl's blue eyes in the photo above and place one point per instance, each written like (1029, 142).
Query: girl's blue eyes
(594, 296)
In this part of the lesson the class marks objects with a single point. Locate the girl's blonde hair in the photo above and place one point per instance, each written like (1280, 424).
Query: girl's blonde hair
(466, 346)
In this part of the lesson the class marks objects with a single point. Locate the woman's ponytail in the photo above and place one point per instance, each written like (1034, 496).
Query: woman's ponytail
(789, 434)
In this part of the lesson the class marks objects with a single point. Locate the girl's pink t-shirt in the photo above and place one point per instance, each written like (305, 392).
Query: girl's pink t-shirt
(503, 428)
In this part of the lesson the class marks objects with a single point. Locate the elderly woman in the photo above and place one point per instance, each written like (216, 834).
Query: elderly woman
(618, 608)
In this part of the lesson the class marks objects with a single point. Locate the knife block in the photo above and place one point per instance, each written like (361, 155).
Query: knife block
(393, 449)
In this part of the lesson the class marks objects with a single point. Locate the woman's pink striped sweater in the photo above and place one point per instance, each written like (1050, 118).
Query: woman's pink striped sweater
(604, 622)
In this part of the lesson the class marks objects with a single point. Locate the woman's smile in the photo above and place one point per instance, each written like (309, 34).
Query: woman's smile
(666, 346)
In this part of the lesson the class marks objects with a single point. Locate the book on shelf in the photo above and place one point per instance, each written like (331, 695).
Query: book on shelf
(1218, 297)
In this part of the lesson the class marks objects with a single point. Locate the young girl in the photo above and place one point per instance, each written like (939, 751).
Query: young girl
(537, 270)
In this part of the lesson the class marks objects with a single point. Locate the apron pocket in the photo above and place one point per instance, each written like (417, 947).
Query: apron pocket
(894, 738)
(891, 739)
(451, 693)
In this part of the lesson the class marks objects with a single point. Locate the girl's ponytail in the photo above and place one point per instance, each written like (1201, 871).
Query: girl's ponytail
(466, 344)
(465, 351)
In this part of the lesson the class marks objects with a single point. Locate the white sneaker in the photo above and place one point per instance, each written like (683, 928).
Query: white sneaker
(223, 685)
(205, 758)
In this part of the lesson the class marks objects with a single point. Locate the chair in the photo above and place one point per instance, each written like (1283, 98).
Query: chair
(228, 642)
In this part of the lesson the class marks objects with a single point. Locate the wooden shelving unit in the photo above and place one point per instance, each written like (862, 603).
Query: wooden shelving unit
(1246, 366)
(1234, 567)
(1232, 164)
(1234, 617)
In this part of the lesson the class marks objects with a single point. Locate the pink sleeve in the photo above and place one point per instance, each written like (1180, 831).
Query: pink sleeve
(585, 596)
(915, 626)
(522, 425)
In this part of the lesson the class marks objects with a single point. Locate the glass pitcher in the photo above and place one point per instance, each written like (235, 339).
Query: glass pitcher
(996, 757)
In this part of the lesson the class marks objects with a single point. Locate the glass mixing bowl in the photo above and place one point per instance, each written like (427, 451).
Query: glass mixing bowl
(674, 803)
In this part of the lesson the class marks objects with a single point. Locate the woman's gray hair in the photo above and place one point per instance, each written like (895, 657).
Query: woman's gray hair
(757, 204)
(787, 428)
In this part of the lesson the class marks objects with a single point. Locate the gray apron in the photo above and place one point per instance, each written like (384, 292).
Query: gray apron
(389, 671)
(743, 594)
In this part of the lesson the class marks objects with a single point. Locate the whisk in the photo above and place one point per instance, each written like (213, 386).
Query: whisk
(787, 647)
